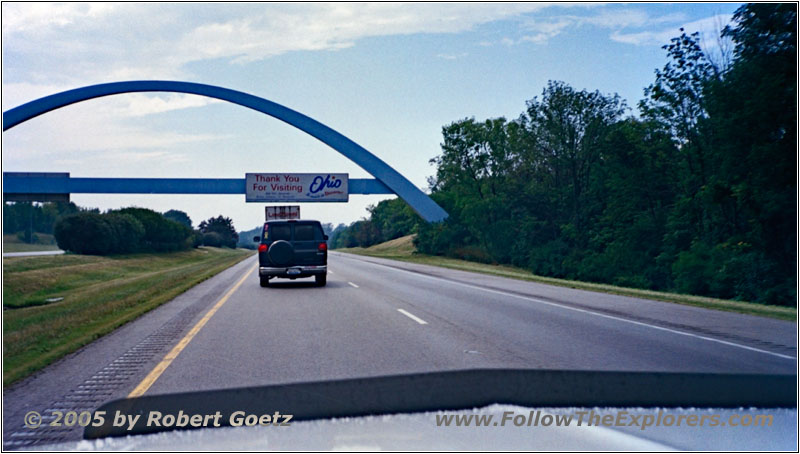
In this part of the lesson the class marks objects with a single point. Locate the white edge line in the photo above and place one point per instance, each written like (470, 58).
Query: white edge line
(412, 317)
(563, 306)
(354, 285)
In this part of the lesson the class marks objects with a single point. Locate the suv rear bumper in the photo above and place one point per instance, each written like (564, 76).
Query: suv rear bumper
(292, 271)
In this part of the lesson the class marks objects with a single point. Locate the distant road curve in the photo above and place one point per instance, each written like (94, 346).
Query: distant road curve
(25, 254)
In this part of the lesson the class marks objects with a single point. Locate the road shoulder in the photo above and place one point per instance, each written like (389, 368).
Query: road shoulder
(125, 356)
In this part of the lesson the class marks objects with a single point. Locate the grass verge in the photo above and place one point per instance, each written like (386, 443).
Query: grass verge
(99, 295)
(403, 249)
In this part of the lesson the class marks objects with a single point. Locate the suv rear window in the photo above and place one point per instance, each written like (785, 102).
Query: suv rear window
(304, 232)
(279, 232)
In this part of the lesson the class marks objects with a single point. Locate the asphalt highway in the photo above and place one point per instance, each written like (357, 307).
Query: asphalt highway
(380, 317)
(32, 253)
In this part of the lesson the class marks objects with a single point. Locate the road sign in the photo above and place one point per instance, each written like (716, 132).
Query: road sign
(296, 187)
(282, 212)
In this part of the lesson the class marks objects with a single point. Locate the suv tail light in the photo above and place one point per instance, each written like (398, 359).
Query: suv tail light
(262, 248)
(322, 247)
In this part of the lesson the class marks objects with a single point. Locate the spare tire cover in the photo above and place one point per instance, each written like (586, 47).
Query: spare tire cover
(281, 252)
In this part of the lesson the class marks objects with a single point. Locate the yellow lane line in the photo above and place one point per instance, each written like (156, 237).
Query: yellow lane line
(162, 366)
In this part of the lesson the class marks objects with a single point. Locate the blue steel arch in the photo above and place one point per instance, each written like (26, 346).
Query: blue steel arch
(417, 199)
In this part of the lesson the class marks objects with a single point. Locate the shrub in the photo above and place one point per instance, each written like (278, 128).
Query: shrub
(197, 238)
(160, 233)
(121, 232)
(128, 232)
(85, 233)
(213, 239)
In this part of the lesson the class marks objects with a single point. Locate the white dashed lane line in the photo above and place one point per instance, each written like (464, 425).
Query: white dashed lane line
(404, 312)
(588, 312)
(412, 317)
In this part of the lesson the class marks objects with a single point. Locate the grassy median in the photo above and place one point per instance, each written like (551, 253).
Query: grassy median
(403, 249)
(53, 305)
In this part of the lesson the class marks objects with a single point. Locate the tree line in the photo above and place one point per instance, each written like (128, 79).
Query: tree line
(127, 230)
(25, 219)
(695, 192)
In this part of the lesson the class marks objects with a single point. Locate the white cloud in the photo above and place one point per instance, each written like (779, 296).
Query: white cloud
(674, 17)
(36, 16)
(642, 38)
(92, 41)
(540, 31)
(629, 18)
(618, 19)
(539, 38)
(452, 56)
(335, 26)
(546, 30)
(137, 105)
(709, 28)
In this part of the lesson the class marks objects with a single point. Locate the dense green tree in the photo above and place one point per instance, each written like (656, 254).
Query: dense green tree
(388, 220)
(128, 233)
(213, 239)
(475, 163)
(697, 194)
(636, 188)
(85, 233)
(567, 128)
(393, 219)
(223, 227)
(337, 236)
(160, 233)
(179, 217)
(753, 125)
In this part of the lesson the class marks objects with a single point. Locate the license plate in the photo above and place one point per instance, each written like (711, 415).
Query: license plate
(293, 271)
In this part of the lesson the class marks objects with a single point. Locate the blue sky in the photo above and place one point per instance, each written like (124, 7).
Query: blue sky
(388, 76)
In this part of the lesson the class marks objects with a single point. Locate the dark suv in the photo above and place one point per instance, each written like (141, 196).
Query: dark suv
(292, 249)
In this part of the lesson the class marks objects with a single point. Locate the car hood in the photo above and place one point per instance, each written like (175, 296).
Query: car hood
(420, 431)
(404, 411)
